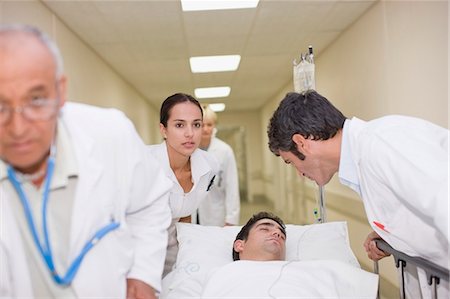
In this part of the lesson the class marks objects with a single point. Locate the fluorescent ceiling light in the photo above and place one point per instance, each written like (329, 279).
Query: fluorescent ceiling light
(194, 5)
(222, 63)
(217, 107)
(212, 92)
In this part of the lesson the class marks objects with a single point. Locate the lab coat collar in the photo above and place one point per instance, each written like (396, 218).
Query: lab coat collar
(164, 161)
(199, 165)
(66, 165)
(348, 173)
(213, 145)
(84, 158)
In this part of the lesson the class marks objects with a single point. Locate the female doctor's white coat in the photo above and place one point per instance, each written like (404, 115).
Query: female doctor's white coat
(222, 204)
(203, 170)
(117, 179)
(399, 166)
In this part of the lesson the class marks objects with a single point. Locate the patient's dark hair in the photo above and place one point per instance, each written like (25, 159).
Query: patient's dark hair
(245, 230)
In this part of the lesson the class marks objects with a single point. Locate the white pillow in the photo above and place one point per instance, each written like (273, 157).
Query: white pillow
(202, 248)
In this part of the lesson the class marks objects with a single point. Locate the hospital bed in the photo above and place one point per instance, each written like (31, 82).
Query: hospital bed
(435, 274)
(204, 248)
(323, 248)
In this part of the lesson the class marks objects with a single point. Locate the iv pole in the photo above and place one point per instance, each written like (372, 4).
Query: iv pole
(304, 80)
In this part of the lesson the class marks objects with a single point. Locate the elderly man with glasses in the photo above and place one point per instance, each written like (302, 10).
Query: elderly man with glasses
(83, 209)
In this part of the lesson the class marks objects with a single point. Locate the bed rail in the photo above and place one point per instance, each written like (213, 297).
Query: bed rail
(434, 272)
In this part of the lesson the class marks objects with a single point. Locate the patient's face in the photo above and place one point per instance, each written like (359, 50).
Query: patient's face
(266, 242)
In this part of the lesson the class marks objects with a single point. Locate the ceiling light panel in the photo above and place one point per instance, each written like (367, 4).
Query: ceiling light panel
(196, 5)
(217, 107)
(208, 64)
(212, 92)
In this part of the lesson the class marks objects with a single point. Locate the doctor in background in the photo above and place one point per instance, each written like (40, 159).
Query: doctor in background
(191, 170)
(397, 164)
(222, 205)
(83, 208)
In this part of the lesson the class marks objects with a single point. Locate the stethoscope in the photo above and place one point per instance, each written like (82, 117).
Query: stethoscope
(44, 246)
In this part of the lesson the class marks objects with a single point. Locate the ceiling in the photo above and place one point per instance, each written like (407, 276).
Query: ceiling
(149, 42)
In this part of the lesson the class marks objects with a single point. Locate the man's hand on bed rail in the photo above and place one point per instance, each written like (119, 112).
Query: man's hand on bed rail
(373, 252)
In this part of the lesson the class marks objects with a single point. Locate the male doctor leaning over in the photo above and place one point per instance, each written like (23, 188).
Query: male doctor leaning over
(83, 208)
(397, 164)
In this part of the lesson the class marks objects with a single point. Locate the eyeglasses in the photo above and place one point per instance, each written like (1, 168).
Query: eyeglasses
(37, 109)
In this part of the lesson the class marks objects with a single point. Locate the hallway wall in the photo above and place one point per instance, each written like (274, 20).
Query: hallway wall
(250, 122)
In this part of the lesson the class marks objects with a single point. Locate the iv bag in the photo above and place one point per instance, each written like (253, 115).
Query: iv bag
(304, 73)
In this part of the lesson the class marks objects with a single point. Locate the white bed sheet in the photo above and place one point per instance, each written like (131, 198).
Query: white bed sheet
(290, 279)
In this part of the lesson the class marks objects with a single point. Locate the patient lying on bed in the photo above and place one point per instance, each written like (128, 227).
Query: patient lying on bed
(260, 269)
(314, 261)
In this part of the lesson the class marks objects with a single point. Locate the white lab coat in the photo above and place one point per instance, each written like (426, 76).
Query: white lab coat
(399, 166)
(222, 204)
(117, 179)
(15, 281)
(203, 170)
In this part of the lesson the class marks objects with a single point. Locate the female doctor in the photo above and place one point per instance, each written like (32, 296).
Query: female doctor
(192, 170)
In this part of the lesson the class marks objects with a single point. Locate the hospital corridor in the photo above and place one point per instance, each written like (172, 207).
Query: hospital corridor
(138, 138)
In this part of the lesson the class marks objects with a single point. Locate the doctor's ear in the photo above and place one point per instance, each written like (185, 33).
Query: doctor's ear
(301, 142)
(238, 245)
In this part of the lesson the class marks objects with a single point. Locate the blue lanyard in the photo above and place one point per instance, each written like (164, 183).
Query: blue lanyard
(44, 247)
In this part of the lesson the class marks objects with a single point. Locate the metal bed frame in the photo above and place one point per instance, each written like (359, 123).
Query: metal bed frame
(434, 272)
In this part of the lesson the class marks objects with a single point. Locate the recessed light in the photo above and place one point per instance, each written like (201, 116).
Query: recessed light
(195, 5)
(212, 92)
(221, 63)
(217, 107)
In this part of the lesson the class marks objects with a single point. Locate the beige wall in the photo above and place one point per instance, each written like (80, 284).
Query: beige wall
(90, 79)
(393, 60)
(250, 122)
